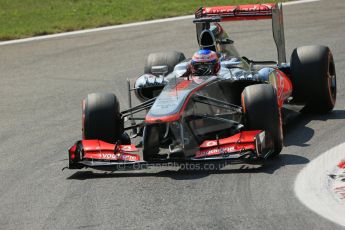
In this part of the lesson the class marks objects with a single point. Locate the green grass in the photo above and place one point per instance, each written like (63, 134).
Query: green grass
(25, 18)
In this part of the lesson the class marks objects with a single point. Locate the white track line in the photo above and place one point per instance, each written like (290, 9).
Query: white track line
(312, 188)
(119, 27)
(77, 32)
(299, 2)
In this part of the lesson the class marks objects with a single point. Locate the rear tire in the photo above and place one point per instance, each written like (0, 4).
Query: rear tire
(261, 112)
(170, 59)
(314, 78)
(102, 118)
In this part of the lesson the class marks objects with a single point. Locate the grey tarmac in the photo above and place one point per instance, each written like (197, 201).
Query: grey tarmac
(43, 82)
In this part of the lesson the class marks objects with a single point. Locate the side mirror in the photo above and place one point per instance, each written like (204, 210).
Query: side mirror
(159, 70)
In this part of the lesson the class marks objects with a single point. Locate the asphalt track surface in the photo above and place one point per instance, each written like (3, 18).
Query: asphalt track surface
(43, 82)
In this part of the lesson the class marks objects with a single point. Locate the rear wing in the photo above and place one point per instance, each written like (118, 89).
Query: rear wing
(274, 11)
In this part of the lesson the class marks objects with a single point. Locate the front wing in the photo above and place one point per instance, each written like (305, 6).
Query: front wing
(243, 147)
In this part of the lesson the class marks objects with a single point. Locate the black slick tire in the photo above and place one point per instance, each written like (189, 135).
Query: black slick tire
(314, 78)
(102, 118)
(261, 112)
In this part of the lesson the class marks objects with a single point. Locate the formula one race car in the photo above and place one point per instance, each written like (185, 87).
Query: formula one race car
(235, 115)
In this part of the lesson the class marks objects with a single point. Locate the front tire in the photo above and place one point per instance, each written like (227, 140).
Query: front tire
(261, 112)
(102, 118)
(151, 142)
(314, 78)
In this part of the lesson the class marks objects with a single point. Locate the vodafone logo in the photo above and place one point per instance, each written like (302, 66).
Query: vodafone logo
(129, 158)
(126, 148)
(211, 143)
(118, 156)
(197, 80)
(241, 10)
(108, 156)
(216, 151)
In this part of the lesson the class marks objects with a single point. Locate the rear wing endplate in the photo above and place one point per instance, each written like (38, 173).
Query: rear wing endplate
(272, 11)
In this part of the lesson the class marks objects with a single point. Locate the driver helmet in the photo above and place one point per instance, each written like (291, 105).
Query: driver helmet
(204, 63)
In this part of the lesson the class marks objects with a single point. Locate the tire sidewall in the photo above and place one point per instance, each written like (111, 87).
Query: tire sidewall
(261, 112)
(310, 69)
(101, 117)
